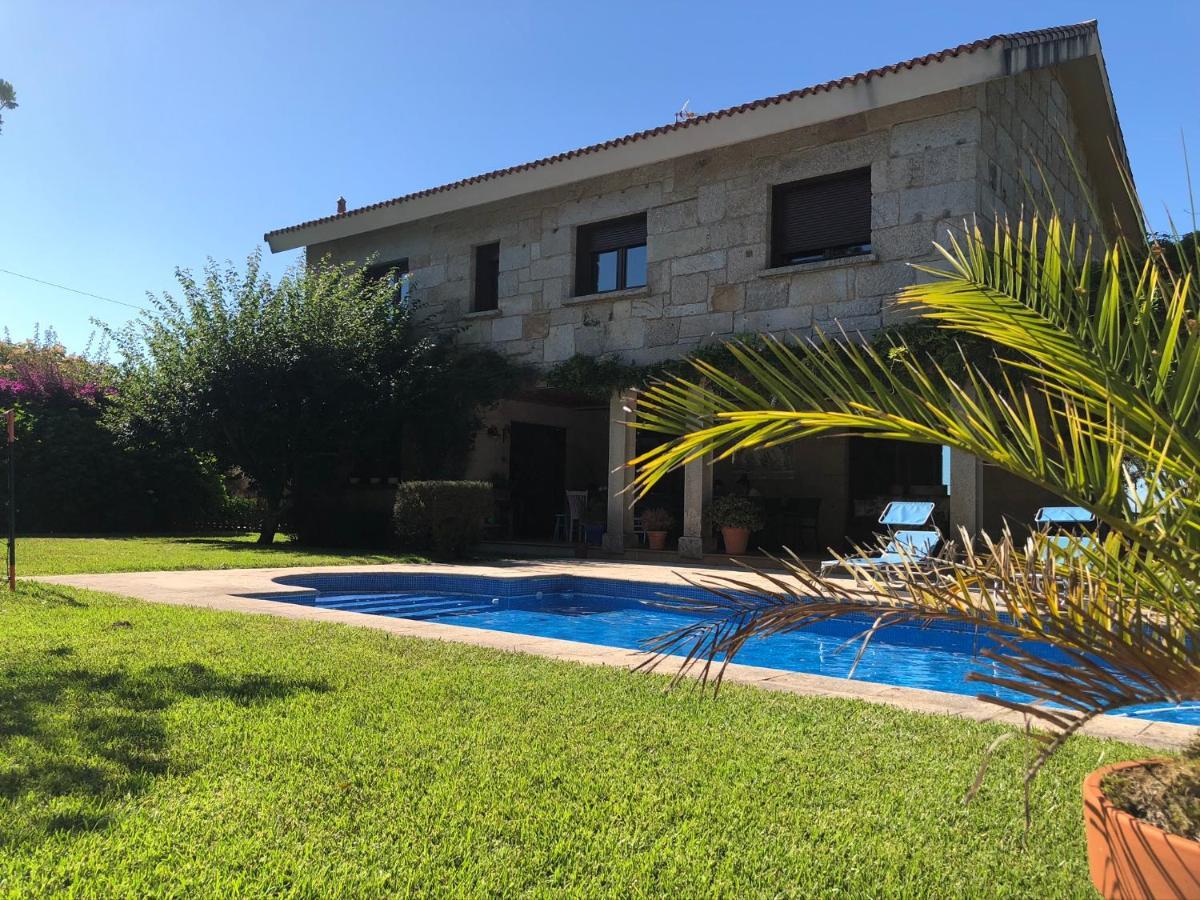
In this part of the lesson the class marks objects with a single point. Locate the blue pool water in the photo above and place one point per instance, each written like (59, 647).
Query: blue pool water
(623, 614)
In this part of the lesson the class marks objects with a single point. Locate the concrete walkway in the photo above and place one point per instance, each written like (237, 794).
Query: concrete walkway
(240, 590)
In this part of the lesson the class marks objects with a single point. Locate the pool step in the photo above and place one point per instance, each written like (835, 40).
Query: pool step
(415, 606)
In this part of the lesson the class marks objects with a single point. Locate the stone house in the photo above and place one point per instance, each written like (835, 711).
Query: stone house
(799, 210)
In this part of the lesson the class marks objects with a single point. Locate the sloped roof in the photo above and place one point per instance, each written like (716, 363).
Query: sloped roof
(1084, 36)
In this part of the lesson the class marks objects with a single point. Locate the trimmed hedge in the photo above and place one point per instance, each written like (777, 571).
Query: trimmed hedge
(444, 516)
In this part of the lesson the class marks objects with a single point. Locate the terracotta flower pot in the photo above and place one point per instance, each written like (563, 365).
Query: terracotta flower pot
(1131, 858)
(657, 540)
(736, 540)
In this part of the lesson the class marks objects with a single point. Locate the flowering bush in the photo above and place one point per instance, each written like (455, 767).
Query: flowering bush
(76, 471)
(42, 371)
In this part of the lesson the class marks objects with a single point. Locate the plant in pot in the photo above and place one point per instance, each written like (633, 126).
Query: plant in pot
(1076, 371)
(657, 523)
(737, 517)
(594, 520)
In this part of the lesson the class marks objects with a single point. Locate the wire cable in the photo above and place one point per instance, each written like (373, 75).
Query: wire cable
(63, 287)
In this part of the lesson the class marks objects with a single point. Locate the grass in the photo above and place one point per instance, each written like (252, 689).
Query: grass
(74, 555)
(149, 749)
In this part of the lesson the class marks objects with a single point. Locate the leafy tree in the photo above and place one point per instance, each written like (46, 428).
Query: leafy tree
(292, 382)
(1092, 394)
(8, 98)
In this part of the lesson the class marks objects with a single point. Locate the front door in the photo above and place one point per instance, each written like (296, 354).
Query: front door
(537, 465)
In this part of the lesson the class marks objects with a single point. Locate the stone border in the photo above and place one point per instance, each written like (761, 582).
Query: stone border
(243, 590)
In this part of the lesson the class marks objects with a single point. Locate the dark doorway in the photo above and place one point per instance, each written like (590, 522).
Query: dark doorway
(537, 464)
(884, 470)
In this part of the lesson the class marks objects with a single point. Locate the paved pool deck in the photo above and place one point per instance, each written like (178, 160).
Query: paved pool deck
(241, 590)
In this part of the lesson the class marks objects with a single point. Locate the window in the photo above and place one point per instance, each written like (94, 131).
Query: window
(487, 277)
(611, 256)
(821, 218)
(397, 274)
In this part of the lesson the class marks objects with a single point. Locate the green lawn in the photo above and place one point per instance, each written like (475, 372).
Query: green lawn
(150, 749)
(73, 555)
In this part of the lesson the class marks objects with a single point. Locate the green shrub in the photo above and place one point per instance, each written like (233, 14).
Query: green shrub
(737, 512)
(444, 516)
(657, 519)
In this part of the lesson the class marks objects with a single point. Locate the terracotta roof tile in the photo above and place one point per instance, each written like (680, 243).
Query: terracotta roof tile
(1016, 38)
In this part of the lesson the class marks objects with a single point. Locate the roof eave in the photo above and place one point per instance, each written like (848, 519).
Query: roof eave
(1074, 50)
(873, 93)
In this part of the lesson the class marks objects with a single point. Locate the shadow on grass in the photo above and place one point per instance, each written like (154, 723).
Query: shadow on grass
(75, 741)
(53, 595)
(290, 547)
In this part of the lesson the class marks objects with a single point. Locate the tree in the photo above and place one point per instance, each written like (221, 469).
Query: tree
(289, 383)
(1092, 394)
(8, 98)
(75, 474)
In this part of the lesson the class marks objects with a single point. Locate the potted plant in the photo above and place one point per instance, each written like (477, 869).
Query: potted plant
(737, 517)
(1143, 835)
(1083, 382)
(657, 522)
(594, 518)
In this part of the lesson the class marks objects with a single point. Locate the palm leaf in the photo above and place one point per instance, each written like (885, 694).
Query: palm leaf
(1092, 395)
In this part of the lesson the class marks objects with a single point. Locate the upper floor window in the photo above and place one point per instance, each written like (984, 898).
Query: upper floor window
(396, 272)
(821, 218)
(487, 277)
(611, 256)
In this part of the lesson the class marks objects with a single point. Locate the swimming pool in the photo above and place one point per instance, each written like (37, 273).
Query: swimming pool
(619, 613)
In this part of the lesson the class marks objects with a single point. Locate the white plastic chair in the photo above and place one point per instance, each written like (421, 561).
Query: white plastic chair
(576, 505)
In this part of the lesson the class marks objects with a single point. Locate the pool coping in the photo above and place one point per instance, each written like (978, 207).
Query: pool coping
(248, 590)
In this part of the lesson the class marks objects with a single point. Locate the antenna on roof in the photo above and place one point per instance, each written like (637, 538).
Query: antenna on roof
(684, 114)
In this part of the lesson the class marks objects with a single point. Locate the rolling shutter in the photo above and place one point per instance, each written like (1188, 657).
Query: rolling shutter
(821, 216)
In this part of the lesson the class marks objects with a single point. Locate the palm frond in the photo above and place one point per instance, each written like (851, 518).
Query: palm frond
(1065, 630)
(1092, 395)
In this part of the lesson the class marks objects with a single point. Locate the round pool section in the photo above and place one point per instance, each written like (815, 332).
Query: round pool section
(619, 613)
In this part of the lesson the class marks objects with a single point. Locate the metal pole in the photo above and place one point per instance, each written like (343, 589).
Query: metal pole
(11, 416)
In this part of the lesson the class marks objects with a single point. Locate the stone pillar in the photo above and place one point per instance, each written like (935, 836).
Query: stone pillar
(622, 444)
(966, 481)
(697, 494)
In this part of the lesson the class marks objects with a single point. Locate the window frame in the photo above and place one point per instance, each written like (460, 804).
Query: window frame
(779, 258)
(587, 279)
(377, 271)
(493, 284)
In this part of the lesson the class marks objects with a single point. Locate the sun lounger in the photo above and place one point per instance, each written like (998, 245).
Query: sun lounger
(1064, 527)
(914, 538)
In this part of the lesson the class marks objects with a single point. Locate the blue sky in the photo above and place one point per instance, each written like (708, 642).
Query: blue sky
(153, 134)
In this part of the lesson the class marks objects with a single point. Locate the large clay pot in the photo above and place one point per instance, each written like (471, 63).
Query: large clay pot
(657, 540)
(1131, 858)
(736, 540)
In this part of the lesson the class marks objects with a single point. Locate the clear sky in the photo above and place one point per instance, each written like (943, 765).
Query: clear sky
(152, 135)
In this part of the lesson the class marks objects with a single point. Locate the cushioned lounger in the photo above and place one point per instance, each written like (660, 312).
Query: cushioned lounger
(913, 537)
(904, 547)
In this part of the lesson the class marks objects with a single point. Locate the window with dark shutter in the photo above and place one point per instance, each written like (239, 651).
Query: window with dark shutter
(821, 218)
(611, 256)
(487, 277)
(397, 274)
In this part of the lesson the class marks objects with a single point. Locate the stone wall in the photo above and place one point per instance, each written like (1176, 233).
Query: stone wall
(1029, 148)
(708, 226)
(934, 162)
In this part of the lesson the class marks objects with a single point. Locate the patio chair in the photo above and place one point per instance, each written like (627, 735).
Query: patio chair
(1066, 522)
(913, 537)
(576, 506)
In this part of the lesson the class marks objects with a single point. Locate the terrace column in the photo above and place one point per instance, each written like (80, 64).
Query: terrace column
(697, 494)
(622, 411)
(966, 481)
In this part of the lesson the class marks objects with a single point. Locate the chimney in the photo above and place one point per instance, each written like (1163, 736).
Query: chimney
(341, 206)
